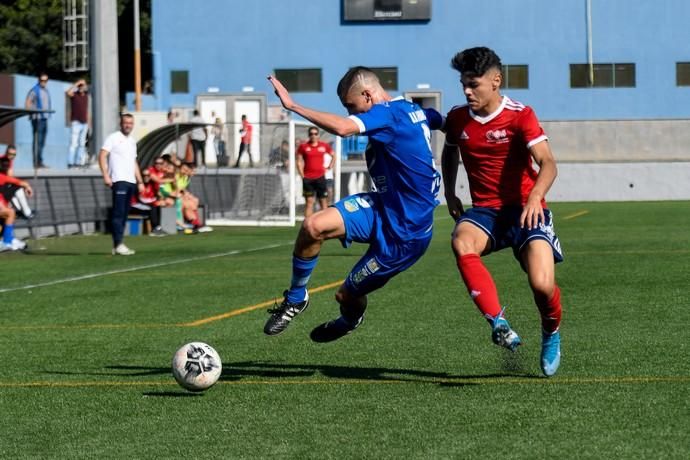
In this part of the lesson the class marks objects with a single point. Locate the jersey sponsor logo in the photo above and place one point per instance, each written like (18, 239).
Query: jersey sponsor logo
(474, 294)
(497, 136)
(417, 116)
(369, 268)
(464, 135)
(364, 202)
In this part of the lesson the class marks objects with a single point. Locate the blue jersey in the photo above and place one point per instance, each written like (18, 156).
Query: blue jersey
(401, 165)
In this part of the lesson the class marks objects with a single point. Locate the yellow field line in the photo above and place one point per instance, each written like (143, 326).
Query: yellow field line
(613, 380)
(577, 214)
(239, 311)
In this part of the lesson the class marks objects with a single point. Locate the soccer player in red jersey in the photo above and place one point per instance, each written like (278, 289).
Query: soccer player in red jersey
(500, 140)
(310, 164)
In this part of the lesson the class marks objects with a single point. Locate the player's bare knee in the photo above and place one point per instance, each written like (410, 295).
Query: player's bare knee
(462, 247)
(311, 228)
(542, 285)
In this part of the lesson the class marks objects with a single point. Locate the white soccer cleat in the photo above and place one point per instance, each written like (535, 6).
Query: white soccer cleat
(122, 250)
(17, 245)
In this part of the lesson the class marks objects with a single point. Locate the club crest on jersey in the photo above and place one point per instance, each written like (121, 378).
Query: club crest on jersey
(497, 136)
(351, 205)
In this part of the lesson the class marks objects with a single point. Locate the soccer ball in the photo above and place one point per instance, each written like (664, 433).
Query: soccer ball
(196, 366)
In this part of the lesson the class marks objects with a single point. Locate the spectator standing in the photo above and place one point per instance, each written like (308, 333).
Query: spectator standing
(118, 162)
(245, 141)
(219, 143)
(328, 163)
(310, 165)
(79, 123)
(38, 98)
(280, 156)
(198, 138)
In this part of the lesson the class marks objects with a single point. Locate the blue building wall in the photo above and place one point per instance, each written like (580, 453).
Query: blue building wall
(231, 44)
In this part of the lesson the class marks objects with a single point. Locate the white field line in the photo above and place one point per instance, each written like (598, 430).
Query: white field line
(141, 267)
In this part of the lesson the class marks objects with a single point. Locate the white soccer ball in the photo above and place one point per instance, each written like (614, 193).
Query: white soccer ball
(196, 366)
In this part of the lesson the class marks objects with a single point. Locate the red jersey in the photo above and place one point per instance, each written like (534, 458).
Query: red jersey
(5, 179)
(495, 152)
(158, 174)
(246, 132)
(148, 196)
(313, 158)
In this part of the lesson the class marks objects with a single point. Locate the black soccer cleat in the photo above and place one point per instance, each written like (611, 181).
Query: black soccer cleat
(334, 329)
(282, 314)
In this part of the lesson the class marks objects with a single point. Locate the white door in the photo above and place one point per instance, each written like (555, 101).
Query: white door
(210, 110)
(252, 109)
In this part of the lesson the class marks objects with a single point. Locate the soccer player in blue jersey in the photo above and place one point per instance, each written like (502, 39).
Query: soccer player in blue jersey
(395, 219)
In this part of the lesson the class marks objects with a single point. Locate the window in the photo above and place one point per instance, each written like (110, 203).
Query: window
(386, 10)
(683, 73)
(300, 80)
(388, 77)
(515, 76)
(620, 75)
(179, 81)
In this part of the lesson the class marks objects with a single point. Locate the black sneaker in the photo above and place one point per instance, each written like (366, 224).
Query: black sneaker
(158, 231)
(334, 329)
(282, 314)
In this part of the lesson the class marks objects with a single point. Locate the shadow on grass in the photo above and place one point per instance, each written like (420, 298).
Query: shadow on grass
(248, 370)
(303, 373)
(172, 394)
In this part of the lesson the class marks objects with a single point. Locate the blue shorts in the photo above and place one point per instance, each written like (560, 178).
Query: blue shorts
(386, 256)
(504, 231)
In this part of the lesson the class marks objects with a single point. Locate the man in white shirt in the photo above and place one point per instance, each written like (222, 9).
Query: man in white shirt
(198, 137)
(118, 162)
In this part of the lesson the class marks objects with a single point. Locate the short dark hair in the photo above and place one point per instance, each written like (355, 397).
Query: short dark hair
(475, 62)
(10, 147)
(126, 115)
(351, 77)
(196, 112)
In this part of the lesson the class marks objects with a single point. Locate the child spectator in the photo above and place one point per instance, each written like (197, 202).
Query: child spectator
(146, 203)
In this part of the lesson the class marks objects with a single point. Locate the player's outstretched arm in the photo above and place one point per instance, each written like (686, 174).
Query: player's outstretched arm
(450, 159)
(532, 212)
(334, 124)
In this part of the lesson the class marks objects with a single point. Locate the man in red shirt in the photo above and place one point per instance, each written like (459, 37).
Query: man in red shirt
(245, 141)
(79, 123)
(498, 140)
(310, 165)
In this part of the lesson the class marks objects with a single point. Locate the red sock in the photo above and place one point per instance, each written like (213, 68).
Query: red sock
(480, 285)
(196, 222)
(550, 310)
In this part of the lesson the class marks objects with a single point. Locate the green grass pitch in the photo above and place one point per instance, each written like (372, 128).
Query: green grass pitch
(87, 341)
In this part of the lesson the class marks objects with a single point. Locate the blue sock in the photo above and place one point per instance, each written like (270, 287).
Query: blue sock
(301, 272)
(8, 234)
